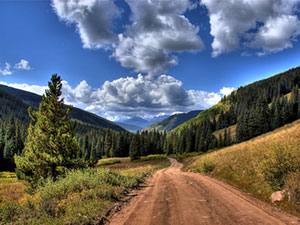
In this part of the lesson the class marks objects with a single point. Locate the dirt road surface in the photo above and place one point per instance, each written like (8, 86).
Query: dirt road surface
(175, 197)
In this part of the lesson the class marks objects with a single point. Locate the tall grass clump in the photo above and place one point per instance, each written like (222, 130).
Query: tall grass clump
(152, 158)
(80, 197)
(261, 166)
(106, 162)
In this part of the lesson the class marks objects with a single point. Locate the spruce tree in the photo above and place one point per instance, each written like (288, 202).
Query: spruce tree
(98, 150)
(107, 142)
(51, 146)
(134, 152)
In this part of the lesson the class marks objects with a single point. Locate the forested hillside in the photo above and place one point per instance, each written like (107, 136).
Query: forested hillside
(33, 100)
(96, 136)
(254, 109)
(173, 121)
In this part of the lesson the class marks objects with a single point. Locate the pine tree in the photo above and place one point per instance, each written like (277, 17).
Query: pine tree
(86, 147)
(98, 150)
(51, 146)
(134, 153)
(2, 144)
(107, 142)
(10, 148)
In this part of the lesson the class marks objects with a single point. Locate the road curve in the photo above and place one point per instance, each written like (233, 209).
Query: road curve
(175, 197)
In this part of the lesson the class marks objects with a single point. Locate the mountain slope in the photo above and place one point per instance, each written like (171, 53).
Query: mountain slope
(273, 166)
(129, 127)
(244, 97)
(173, 121)
(140, 122)
(26, 99)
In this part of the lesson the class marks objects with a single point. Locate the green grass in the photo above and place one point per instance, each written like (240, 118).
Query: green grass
(152, 158)
(106, 162)
(8, 177)
(81, 197)
(184, 156)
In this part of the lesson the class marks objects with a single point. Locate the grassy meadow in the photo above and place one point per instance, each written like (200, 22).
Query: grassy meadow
(268, 163)
(81, 197)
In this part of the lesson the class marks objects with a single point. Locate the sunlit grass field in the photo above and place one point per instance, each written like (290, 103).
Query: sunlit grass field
(82, 197)
(265, 164)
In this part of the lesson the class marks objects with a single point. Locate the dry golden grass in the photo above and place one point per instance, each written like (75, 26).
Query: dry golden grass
(222, 132)
(12, 191)
(261, 165)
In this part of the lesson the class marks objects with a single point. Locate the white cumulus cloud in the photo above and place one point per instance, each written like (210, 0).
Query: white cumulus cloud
(22, 65)
(37, 89)
(143, 96)
(226, 90)
(159, 28)
(266, 25)
(6, 70)
(92, 18)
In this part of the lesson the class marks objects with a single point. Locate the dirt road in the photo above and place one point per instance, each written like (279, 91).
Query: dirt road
(175, 197)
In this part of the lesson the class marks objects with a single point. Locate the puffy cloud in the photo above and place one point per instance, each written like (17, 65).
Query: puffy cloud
(93, 20)
(143, 96)
(6, 70)
(226, 90)
(37, 89)
(277, 34)
(159, 28)
(22, 65)
(269, 25)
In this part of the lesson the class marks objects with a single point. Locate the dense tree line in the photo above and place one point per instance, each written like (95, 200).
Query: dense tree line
(12, 136)
(120, 144)
(255, 109)
(263, 117)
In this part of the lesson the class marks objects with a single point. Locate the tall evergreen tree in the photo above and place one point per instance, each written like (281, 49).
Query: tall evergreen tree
(51, 147)
(134, 152)
(107, 142)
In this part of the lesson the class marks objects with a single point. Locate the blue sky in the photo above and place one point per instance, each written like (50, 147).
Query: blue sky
(188, 53)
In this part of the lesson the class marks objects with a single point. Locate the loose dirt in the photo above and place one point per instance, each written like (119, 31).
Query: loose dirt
(175, 197)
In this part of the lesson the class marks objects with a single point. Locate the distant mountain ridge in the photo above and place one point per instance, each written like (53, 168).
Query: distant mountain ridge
(24, 99)
(173, 121)
(129, 127)
(140, 122)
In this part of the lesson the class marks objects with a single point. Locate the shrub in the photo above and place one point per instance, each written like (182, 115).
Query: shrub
(206, 165)
(9, 212)
(152, 157)
(278, 162)
(293, 188)
(108, 162)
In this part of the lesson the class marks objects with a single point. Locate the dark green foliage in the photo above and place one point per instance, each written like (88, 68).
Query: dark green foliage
(12, 135)
(134, 149)
(108, 142)
(51, 146)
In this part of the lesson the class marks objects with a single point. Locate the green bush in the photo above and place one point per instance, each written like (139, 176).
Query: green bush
(9, 212)
(108, 162)
(152, 157)
(206, 165)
